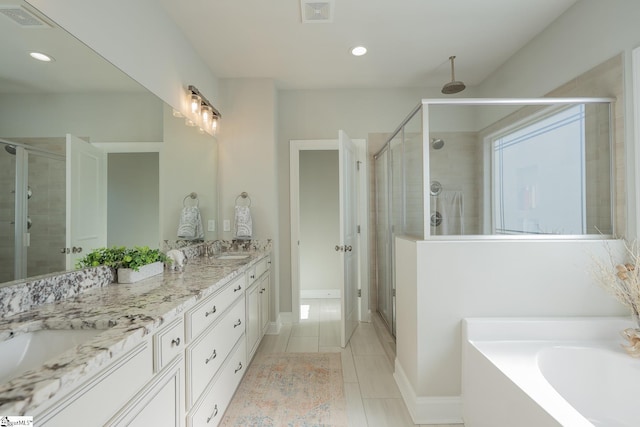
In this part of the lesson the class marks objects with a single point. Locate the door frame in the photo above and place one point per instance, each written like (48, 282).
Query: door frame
(295, 147)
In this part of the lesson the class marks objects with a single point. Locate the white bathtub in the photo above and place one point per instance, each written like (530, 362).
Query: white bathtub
(548, 372)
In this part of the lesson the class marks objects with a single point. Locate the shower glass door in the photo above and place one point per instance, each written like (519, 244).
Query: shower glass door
(7, 213)
(32, 212)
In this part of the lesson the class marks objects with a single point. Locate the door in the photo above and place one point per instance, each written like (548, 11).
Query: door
(86, 199)
(348, 246)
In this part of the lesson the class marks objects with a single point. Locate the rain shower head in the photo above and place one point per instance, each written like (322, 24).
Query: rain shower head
(437, 143)
(11, 149)
(453, 86)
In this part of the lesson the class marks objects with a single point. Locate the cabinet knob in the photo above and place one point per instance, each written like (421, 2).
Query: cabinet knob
(175, 341)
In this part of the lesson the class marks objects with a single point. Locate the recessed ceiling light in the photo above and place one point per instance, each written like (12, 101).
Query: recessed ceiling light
(358, 51)
(41, 57)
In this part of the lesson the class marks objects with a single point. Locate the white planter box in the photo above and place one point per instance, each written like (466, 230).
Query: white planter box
(127, 275)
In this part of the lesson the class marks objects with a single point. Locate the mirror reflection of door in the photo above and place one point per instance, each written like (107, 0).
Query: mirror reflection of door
(86, 199)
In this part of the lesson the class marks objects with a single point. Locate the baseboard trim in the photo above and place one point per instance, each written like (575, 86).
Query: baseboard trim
(319, 293)
(285, 318)
(428, 410)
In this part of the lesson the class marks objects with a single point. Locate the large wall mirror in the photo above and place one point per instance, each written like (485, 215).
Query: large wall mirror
(79, 93)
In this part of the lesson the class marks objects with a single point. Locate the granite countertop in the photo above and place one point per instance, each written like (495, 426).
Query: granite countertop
(126, 312)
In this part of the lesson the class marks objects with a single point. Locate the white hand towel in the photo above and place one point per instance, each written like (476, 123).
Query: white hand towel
(244, 227)
(449, 203)
(190, 226)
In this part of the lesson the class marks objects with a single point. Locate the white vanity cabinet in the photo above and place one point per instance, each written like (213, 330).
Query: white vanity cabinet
(161, 401)
(215, 355)
(258, 290)
(95, 402)
(186, 372)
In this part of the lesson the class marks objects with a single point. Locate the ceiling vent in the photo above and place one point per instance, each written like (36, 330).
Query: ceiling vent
(23, 17)
(314, 12)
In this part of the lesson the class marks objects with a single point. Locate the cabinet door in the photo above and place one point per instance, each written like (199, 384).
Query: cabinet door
(160, 404)
(264, 303)
(253, 318)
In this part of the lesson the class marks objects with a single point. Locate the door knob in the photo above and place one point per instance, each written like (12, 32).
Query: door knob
(76, 250)
(339, 248)
(348, 248)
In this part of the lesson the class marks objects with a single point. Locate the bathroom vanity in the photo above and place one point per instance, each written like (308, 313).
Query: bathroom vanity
(167, 351)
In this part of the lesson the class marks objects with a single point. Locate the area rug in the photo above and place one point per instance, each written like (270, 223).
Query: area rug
(290, 389)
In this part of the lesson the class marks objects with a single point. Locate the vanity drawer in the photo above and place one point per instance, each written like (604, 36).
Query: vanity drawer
(210, 409)
(206, 355)
(168, 343)
(257, 270)
(198, 319)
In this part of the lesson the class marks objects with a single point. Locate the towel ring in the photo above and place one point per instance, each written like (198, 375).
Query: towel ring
(193, 196)
(244, 195)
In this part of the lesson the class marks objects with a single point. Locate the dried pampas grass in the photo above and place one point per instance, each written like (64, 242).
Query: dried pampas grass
(622, 280)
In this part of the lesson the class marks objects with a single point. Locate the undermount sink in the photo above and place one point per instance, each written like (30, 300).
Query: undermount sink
(232, 256)
(31, 350)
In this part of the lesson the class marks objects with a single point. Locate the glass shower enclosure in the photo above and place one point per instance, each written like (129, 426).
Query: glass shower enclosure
(496, 168)
(32, 211)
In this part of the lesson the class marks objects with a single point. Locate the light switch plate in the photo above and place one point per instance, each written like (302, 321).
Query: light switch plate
(226, 225)
(211, 225)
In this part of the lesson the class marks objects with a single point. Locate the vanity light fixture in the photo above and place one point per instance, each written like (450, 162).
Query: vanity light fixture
(203, 113)
(358, 50)
(41, 56)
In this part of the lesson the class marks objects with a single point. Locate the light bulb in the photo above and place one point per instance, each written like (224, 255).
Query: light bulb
(207, 115)
(194, 103)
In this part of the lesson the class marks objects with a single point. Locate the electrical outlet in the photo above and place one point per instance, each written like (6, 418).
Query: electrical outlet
(211, 225)
(226, 225)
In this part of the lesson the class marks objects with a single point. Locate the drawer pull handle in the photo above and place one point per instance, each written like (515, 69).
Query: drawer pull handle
(213, 356)
(215, 412)
(238, 323)
(264, 289)
(175, 341)
(213, 310)
(238, 368)
(238, 288)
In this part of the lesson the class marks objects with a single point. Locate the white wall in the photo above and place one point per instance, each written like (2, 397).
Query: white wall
(473, 278)
(319, 220)
(140, 39)
(248, 160)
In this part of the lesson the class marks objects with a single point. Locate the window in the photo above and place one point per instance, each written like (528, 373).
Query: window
(539, 176)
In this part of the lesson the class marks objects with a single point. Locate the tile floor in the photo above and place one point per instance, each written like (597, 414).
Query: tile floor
(373, 398)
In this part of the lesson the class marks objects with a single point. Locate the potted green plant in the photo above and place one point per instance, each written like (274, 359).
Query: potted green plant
(132, 264)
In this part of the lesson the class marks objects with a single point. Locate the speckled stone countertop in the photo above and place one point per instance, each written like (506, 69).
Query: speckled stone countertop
(126, 312)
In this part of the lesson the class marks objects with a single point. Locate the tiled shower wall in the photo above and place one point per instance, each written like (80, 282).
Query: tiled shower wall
(7, 209)
(457, 166)
(47, 209)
